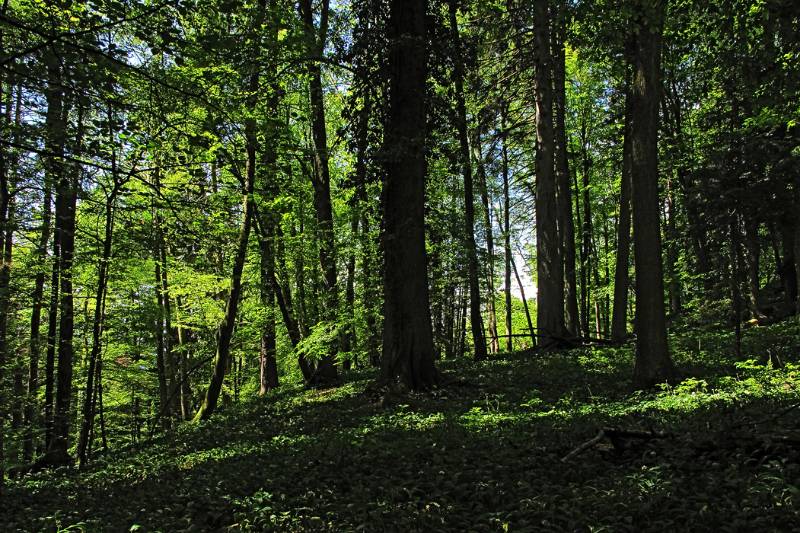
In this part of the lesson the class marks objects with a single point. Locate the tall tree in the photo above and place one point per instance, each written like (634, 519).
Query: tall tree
(549, 269)
(566, 225)
(408, 352)
(653, 361)
(476, 321)
(321, 177)
(619, 319)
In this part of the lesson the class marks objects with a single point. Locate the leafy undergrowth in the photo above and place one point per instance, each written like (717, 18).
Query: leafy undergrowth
(481, 454)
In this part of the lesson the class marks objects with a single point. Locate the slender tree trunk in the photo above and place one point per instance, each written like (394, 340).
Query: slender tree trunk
(507, 253)
(752, 260)
(674, 285)
(225, 331)
(31, 408)
(325, 371)
(619, 320)
(494, 343)
(475, 319)
(268, 365)
(408, 352)
(653, 361)
(524, 303)
(87, 424)
(586, 239)
(564, 190)
(550, 282)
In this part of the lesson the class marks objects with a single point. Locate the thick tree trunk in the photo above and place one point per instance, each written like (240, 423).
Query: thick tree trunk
(549, 268)
(55, 138)
(566, 225)
(66, 200)
(475, 319)
(408, 352)
(653, 361)
(619, 320)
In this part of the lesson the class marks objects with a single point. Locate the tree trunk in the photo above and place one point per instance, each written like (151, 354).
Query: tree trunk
(550, 301)
(564, 189)
(268, 365)
(752, 260)
(97, 324)
(66, 200)
(225, 331)
(653, 361)
(487, 220)
(31, 408)
(524, 303)
(475, 319)
(408, 352)
(325, 371)
(619, 320)
(507, 253)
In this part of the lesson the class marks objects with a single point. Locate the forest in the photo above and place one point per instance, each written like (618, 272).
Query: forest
(399, 265)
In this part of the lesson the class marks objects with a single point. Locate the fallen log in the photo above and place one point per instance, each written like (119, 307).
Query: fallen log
(617, 436)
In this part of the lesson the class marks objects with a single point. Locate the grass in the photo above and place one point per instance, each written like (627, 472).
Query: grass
(483, 454)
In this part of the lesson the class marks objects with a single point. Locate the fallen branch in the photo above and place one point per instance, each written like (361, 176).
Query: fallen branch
(616, 436)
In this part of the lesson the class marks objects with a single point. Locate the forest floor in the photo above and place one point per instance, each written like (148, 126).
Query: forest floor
(482, 454)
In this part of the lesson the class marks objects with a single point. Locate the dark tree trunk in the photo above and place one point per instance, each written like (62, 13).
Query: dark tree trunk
(586, 233)
(564, 189)
(619, 320)
(752, 247)
(494, 342)
(549, 268)
(475, 319)
(55, 138)
(507, 253)
(66, 200)
(6, 243)
(268, 365)
(325, 371)
(225, 331)
(524, 303)
(653, 361)
(31, 407)
(87, 424)
(408, 352)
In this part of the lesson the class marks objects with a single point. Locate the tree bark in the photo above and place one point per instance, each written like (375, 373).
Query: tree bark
(653, 362)
(408, 352)
(564, 190)
(507, 253)
(475, 319)
(494, 343)
(66, 201)
(619, 319)
(549, 268)
(325, 371)
(97, 324)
